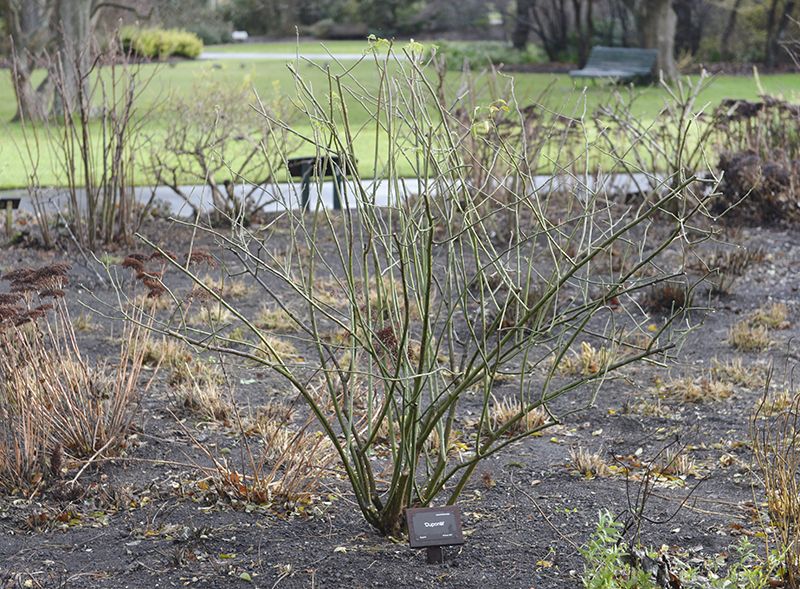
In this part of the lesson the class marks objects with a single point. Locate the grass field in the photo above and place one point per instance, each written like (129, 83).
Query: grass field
(301, 47)
(559, 92)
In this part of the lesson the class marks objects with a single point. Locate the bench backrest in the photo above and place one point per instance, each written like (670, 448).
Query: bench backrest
(622, 58)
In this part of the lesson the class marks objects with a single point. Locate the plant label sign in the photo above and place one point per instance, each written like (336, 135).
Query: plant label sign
(434, 526)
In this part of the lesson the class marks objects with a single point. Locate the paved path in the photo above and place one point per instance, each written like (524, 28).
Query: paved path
(286, 195)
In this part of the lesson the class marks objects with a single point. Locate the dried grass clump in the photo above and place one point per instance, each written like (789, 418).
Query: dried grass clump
(510, 413)
(749, 338)
(198, 371)
(587, 463)
(275, 349)
(166, 352)
(84, 322)
(777, 455)
(268, 418)
(771, 316)
(677, 463)
(589, 361)
(696, 390)
(53, 404)
(752, 376)
(286, 474)
(726, 266)
(385, 299)
(214, 315)
(275, 319)
(152, 303)
(204, 399)
(328, 292)
(775, 402)
(233, 289)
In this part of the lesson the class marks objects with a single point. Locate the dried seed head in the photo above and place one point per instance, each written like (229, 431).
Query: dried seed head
(9, 298)
(133, 264)
(18, 274)
(30, 280)
(7, 313)
(164, 255)
(152, 283)
(388, 339)
(55, 293)
(22, 319)
(201, 257)
(156, 292)
(56, 460)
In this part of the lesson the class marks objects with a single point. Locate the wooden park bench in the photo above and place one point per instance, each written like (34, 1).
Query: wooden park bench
(307, 167)
(8, 204)
(619, 64)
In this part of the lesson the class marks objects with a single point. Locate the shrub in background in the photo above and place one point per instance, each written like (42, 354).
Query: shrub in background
(214, 137)
(459, 54)
(153, 43)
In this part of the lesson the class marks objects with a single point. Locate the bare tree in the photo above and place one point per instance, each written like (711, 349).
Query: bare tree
(54, 34)
(549, 20)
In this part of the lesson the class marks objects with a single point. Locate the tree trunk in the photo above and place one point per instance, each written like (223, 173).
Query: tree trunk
(657, 24)
(522, 26)
(730, 27)
(73, 26)
(773, 9)
(775, 29)
(692, 16)
(621, 14)
(584, 28)
(28, 23)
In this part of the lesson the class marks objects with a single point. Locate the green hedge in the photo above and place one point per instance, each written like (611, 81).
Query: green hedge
(161, 43)
(482, 53)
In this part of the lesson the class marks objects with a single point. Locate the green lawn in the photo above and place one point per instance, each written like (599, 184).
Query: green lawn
(559, 92)
(304, 47)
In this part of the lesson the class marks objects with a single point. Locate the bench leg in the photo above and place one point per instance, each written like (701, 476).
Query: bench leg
(337, 190)
(305, 190)
(9, 218)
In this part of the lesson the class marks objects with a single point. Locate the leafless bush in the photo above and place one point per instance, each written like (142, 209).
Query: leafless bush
(215, 138)
(93, 143)
(424, 305)
(531, 139)
(667, 153)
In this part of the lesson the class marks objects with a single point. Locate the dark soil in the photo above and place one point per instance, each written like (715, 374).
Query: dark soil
(141, 521)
